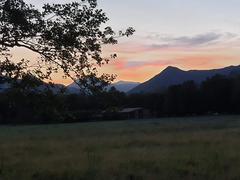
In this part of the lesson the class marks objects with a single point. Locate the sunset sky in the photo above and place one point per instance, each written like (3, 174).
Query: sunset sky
(189, 34)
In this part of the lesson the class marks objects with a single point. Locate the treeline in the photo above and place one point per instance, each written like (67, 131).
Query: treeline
(217, 95)
(24, 107)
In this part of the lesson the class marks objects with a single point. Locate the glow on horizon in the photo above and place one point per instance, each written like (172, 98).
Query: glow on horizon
(184, 33)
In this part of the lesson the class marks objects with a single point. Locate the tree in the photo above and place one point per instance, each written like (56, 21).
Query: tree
(217, 92)
(68, 37)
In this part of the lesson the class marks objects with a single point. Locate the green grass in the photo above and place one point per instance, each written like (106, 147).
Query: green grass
(175, 148)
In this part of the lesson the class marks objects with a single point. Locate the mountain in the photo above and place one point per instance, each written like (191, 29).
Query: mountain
(73, 88)
(55, 88)
(174, 76)
(122, 86)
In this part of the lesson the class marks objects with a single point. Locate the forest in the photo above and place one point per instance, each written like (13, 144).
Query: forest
(215, 96)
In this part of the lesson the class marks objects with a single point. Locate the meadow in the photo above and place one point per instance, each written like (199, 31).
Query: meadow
(169, 148)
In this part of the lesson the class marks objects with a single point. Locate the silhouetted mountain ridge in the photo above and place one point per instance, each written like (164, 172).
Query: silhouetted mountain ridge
(122, 86)
(174, 76)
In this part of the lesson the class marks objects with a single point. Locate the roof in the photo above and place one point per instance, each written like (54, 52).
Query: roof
(128, 110)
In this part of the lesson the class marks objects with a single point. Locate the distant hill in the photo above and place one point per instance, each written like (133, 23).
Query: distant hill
(73, 88)
(174, 76)
(122, 86)
(55, 88)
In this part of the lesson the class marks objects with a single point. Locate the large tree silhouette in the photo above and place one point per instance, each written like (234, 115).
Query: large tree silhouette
(68, 37)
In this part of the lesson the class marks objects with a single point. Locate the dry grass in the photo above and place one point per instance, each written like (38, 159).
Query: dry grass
(181, 148)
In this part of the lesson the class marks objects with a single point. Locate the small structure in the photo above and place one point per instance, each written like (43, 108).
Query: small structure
(134, 113)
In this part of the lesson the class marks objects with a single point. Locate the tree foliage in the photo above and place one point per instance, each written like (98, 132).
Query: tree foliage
(67, 37)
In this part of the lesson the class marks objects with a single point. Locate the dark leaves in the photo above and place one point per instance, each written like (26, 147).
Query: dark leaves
(66, 36)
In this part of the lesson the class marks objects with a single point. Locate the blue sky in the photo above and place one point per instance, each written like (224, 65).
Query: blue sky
(171, 16)
(175, 16)
(190, 34)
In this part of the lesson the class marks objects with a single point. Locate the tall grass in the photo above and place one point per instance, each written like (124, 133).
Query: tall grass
(174, 148)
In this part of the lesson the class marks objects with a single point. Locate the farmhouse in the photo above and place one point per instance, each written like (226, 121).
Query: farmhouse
(134, 113)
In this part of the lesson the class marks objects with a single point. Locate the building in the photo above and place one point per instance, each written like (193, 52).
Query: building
(134, 113)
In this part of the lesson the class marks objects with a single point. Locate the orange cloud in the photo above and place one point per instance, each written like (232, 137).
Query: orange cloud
(206, 61)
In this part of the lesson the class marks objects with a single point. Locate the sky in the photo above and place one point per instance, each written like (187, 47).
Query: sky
(189, 34)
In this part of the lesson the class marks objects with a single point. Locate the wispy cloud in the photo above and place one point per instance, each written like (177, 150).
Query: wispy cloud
(195, 40)
(141, 64)
(133, 65)
(210, 38)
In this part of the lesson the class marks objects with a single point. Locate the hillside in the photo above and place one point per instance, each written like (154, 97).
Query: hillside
(174, 76)
(122, 86)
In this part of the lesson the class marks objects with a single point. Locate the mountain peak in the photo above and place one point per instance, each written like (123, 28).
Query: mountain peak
(172, 68)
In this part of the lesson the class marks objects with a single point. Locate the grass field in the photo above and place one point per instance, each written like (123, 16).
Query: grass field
(181, 148)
